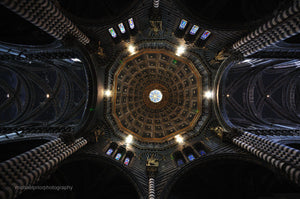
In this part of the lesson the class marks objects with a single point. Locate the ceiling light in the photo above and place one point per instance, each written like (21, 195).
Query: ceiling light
(131, 49)
(208, 94)
(7, 95)
(180, 50)
(107, 93)
(128, 139)
(47, 95)
(179, 139)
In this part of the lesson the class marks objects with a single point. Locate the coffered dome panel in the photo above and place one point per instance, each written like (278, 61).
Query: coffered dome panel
(173, 79)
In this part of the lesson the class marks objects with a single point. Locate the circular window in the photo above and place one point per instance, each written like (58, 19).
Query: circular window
(155, 96)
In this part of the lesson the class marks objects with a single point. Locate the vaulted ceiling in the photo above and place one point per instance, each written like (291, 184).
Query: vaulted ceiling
(96, 81)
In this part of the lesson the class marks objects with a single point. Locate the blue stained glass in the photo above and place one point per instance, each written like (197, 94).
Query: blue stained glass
(191, 157)
(118, 156)
(131, 23)
(112, 32)
(182, 24)
(205, 35)
(126, 161)
(180, 162)
(122, 28)
(202, 152)
(194, 30)
(109, 151)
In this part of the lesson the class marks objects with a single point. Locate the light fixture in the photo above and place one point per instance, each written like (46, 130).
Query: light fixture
(7, 95)
(180, 50)
(268, 96)
(179, 139)
(182, 24)
(122, 28)
(131, 49)
(47, 95)
(208, 94)
(107, 93)
(194, 29)
(112, 32)
(128, 139)
(227, 95)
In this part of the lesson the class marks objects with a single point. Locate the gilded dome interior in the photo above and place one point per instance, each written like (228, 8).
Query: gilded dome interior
(180, 84)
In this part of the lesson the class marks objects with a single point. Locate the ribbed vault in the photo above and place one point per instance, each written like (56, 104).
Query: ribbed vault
(262, 93)
(52, 91)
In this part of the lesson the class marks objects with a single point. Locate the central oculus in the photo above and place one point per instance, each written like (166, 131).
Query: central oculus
(155, 96)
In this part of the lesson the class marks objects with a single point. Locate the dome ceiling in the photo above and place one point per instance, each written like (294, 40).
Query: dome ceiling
(174, 104)
(156, 94)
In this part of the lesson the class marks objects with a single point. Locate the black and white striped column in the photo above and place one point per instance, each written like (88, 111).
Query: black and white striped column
(27, 168)
(155, 3)
(280, 156)
(45, 15)
(151, 169)
(151, 190)
(283, 26)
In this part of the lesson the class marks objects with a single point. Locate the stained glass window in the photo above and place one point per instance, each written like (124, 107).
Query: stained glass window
(118, 156)
(112, 32)
(122, 28)
(109, 151)
(126, 161)
(194, 30)
(182, 24)
(131, 23)
(205, 35)
(180, 162)
(155, 96)
(202, 152)
(191, 157)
